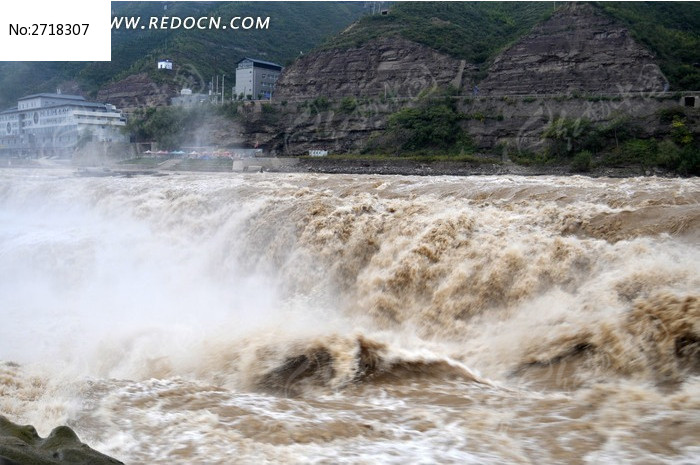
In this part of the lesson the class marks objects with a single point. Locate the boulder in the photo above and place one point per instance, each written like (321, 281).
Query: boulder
(21, 445)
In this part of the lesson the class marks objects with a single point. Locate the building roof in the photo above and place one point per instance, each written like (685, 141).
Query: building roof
(82, 104)
(48, 95)
(261, 63)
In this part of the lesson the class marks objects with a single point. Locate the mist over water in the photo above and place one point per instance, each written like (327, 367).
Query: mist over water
(294, 318)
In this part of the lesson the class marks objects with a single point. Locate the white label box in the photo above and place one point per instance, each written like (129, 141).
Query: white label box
(55, 30)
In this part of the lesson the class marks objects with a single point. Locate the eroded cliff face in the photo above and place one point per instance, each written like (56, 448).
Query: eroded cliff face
(389, 66)
(135, 91)
(513, 123)
(579, 49)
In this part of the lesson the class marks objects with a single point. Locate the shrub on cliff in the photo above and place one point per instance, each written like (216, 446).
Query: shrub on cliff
(320, 104)
(432, 126)
(647, 153)
(429, 127)
(567, 135)
(581, 162)
(680, 133)
(690, 161)
(641, 151)
(229, 109)
(348, 105)
(683, 160)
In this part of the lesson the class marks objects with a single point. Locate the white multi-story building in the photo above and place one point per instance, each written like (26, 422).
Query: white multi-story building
(256, 78)
(55, 124)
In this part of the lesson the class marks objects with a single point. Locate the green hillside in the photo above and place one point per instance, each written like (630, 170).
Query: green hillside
(294, 27)
(471, 30)
(478, 31)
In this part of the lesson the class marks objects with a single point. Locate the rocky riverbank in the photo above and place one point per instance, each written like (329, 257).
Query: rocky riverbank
(384, 166)
(446, 168)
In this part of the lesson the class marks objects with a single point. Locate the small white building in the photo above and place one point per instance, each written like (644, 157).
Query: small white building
(165, 64)
(318, 153)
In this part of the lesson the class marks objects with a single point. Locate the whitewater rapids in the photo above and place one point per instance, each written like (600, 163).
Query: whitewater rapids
(298, 318)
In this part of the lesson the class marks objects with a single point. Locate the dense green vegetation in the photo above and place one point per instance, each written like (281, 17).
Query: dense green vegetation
(430, 128)
(294, 27)
(620, 143)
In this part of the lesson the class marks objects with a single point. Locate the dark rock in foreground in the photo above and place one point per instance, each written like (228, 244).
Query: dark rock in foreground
(21, 445)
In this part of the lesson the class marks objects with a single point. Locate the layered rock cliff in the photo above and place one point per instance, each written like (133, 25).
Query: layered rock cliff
(514, 122)
(579, 49)
(135, 91)
(389, 66)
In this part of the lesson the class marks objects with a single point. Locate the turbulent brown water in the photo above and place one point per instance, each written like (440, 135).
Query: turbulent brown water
(294, 318)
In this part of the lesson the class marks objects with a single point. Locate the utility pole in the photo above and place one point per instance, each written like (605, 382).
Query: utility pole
(223, 88)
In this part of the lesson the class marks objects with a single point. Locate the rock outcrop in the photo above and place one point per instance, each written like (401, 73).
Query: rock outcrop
(389, 66)
(21, 445)
(578, 49)
(137, 90)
